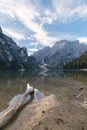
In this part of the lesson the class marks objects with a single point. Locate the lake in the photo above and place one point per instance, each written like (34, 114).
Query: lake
(62, 84)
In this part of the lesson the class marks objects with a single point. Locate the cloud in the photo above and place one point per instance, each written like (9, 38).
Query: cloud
(69, 10)
(32, 43)
(31, 51)
(30, 16)
(39, 33)
(82, 39)
(45, 39)
(49, 17)
(34, 16)
(12, 33)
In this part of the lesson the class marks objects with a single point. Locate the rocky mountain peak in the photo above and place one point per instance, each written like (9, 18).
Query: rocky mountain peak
(0, 29)
(67, 42)
(62, 52)
(12, 56)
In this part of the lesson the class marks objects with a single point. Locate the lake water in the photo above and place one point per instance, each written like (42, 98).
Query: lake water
(65, 85)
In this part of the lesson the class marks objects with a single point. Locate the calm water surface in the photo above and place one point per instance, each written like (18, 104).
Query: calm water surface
(62, 84)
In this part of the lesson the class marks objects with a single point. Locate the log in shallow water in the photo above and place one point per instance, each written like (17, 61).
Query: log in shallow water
(8, 113)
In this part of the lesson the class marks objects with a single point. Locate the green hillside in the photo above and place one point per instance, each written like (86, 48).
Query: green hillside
(78, 63)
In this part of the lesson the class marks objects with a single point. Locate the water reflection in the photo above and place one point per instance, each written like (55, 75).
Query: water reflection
(55, 81)
(80, 76)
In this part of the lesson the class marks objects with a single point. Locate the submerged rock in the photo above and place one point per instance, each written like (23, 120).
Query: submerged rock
(16, 103)
(33, 113)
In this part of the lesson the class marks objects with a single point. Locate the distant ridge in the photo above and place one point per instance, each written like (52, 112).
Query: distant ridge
(61, 53)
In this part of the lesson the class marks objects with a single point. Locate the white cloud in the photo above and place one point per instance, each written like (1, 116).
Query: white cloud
(32, 44)
(34, 18)
(68, 10)
(31, 51)
(82, 39)
(13, 34)
(49, 17)
(7, 7)
(29, 15)
(40, 35)
(45, 39)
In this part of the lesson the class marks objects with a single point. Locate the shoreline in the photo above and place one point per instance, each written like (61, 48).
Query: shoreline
(71, 114)
(51, 114)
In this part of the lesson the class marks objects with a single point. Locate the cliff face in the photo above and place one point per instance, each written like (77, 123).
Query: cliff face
(12, 56)
(0, 30)
(61, 53)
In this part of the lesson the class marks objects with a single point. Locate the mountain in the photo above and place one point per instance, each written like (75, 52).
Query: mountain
(12, 56)
(0, 30)
(61, 53)
(78, 63)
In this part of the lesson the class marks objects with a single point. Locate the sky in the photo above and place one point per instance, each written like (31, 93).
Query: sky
(37, 23)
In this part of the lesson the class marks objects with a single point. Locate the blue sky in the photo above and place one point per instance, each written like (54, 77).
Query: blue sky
(38, 23)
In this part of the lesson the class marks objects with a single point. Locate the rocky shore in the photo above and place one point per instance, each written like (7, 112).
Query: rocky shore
(51, 113)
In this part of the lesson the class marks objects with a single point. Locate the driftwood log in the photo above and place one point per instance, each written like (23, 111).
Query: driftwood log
(8, 113)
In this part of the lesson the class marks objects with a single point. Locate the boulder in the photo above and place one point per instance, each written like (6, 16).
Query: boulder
(33, 113)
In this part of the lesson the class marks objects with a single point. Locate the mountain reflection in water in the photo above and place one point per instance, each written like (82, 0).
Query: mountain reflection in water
(14, 82)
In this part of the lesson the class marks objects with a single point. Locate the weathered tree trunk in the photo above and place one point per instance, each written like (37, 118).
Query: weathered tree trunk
(7, 114)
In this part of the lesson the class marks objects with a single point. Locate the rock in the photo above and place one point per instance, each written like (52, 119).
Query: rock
(0, 30)
(81, 89)
(59, 121)
(43, 111)
(14, 57)
(61, 53)
(32, 114)
(15, 104)
(82, 127)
